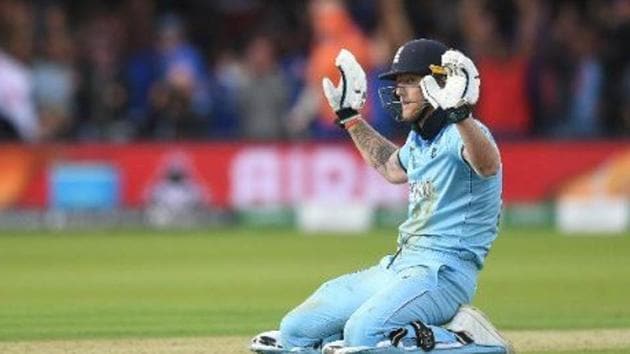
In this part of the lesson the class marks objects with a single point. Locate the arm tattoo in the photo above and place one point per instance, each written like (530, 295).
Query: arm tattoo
(374, 148)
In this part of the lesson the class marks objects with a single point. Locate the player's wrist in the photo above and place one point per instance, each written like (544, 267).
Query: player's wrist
(345, 116)
(351, 124)
(458, 114)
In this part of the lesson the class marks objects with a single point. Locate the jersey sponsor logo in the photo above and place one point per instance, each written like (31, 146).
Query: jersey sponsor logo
(423, 200)
(421, 190)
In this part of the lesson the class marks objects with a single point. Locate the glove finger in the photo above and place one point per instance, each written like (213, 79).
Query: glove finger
(354, 88)
(344, 57)
(469, 66)
(464, 69)
(456, 59)
(472, 90)
(362, 82)
(431, 90)
(346, 61)
(458, 62)
(331, 93)
(451, 56)
(472, 96)
(473, 81)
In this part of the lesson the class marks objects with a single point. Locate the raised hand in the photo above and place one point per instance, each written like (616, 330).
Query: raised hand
(349, 96)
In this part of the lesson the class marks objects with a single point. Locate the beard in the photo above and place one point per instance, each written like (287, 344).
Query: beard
(424, 112)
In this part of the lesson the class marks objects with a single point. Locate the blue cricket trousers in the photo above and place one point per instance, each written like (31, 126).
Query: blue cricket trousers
(418, 284)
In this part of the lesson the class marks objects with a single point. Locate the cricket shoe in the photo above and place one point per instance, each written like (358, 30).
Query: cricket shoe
(267, 342)
(332, 347)
(471, 322)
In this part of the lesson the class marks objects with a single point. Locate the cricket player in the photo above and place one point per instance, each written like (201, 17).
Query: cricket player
(415, 300)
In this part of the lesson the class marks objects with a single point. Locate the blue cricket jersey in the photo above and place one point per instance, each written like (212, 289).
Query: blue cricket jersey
(451, 208)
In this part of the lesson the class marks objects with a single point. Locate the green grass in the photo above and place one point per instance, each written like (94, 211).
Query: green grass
(612, 351)
(239, 281)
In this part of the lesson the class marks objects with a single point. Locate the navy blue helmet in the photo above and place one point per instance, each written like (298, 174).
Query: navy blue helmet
(414, 57)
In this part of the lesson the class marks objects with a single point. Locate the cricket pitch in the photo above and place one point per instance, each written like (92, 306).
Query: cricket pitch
(524, 341)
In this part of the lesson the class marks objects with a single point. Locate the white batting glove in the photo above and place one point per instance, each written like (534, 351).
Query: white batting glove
(462, 83)
(350, 94)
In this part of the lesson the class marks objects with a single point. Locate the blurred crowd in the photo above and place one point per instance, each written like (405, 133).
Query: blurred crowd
(99, 70)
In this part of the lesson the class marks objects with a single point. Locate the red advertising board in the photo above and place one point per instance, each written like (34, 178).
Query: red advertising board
(249, 175)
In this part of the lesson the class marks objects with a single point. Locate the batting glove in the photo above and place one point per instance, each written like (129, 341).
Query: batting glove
(349, 96)
(461, 90)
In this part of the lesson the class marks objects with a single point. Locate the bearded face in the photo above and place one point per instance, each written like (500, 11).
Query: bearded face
(414, 107)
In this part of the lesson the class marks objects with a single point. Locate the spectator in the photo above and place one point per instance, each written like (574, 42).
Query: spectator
(228, 76)
(54, 78)
(614, 21)
(18, 115)
(106, 71)
(502, 46)
(584, 114)
(101, 92)
(391, 32)
(263, 94)
(333, 29)
(180, 100)
(17, 109)
(625, 108)
(141, 61)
